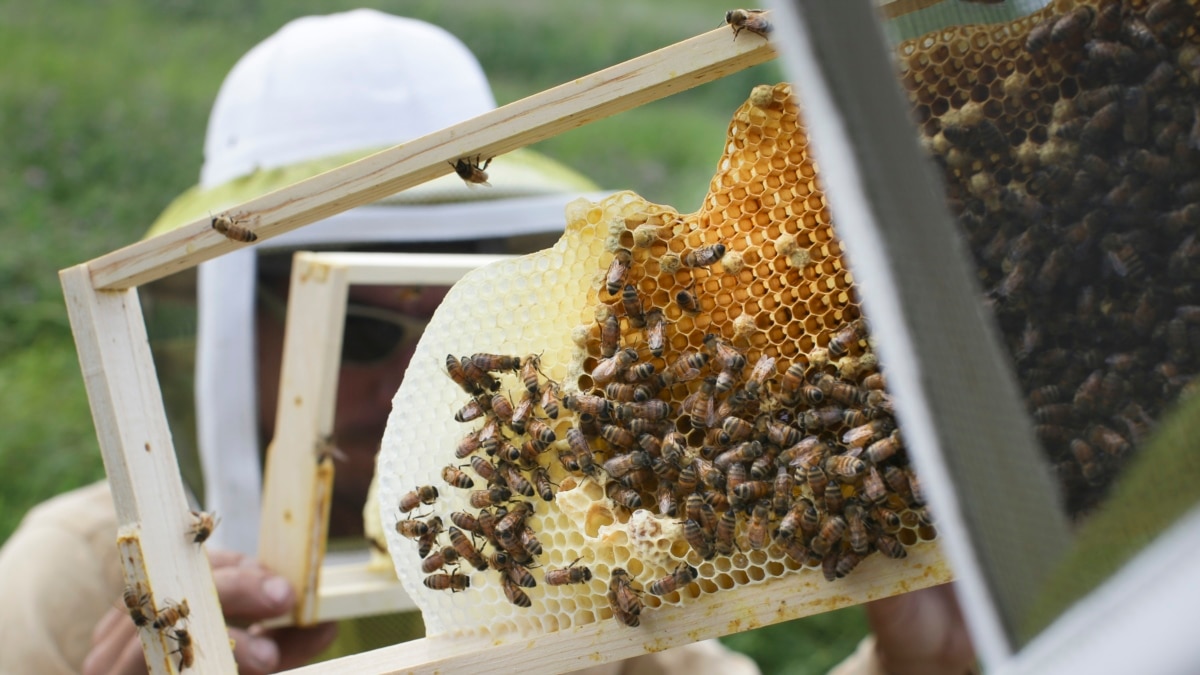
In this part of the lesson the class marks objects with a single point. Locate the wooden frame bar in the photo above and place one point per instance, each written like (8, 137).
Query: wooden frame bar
(298, 476)
(157, 552)
(712, 615)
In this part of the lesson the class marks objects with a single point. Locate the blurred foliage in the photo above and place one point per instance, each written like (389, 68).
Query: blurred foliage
(103, 108)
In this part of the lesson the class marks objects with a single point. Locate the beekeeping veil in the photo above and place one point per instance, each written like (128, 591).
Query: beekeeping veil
(318, 93)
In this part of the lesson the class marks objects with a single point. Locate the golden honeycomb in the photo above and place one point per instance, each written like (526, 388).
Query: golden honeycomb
(1070, 145)
(750, 435)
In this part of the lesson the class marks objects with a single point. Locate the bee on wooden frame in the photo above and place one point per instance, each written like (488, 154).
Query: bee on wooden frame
(472, 171)
(753, 20)
(232, 230)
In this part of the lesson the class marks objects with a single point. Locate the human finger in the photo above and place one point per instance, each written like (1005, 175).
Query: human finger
(115, 646)
(250, 593)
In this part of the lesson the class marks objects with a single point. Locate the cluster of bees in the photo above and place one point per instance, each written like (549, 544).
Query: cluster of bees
(1070, 142)
(808, 459)
(166, 620)
(509, 470)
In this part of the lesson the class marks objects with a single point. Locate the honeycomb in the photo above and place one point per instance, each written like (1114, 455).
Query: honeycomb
(1070, 145)
(716, 416)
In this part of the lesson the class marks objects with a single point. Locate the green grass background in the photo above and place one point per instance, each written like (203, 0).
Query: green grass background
(103, 107)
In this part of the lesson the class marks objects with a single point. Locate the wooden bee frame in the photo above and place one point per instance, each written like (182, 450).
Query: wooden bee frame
(131, 424)
(298, 477)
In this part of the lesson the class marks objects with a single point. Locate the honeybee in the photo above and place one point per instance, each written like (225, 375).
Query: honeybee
(822, 418)
(874, 488)
(503, 563)
(632, 302)
(233, 230)
(735, 475)
(624, 393)
(763, 368)
(653, 410)
(426, 541)
(185, 649)
(785, 484)
(685, 368)
(682, 576)
(704, 256)
(447, 555)
(587, 404)
(624, 597)
(846, 338)
(578, 445)
(753, 491)
(473, 410)
(468, 445)
(425, 494)
(668, 503)
(624, 496)
(455, 371)
(1072, 25)
(743, 452)
(479, 378)
(846, 562)
(465, 549)
(617, 436)
(792, 383)
(835, 501)
(1110, 442)
(496, 362)
(699, 539)
(471, 170)
(1089, 465)
(1039, 36)
(724, 534)
(550, 400)
(734, 430)
(860, 541)
(753, 20)
(885, 448)
(890, 546)
(618, 269)
(203, 528)
(781, 434)
(830, 533)
(640, 372)
(457, 478)
(541, 480)
(411, 527)
(756, 530)
(698, 406)
(790, 522)
(897, 480)
(864, 435)
(796, 550)
(888, 519)
(656, 332)
(623, 464)
(513, 591)
(608, 369)
(846, 468)
(135, 601)
(522, 412)
(568, 575)
(515, 479)
(490, 497)
(687, 301)
(465, 521)
(171, 615)
(453, 582)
